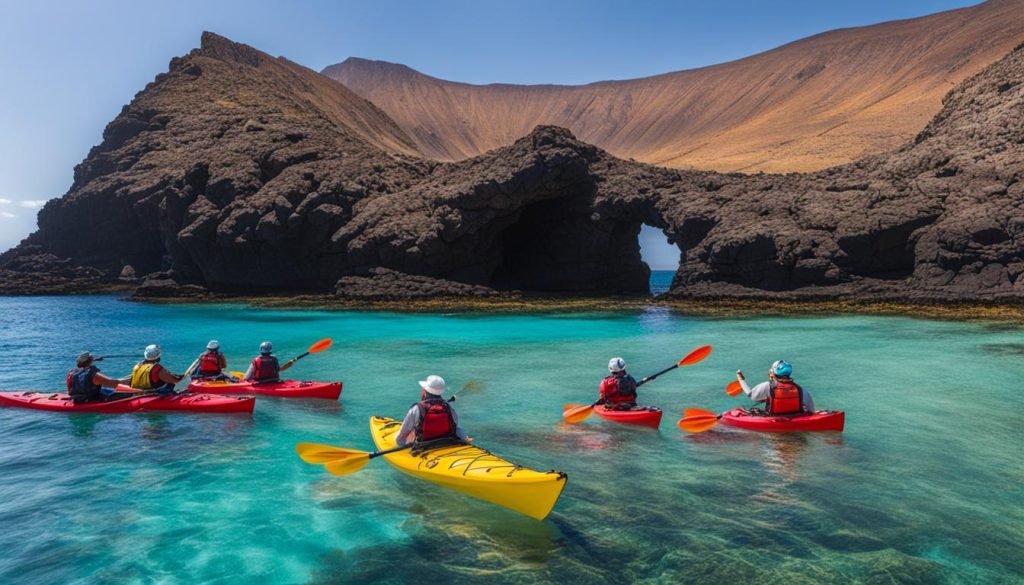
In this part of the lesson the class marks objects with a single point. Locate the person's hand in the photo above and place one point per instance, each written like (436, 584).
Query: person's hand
(739, 375)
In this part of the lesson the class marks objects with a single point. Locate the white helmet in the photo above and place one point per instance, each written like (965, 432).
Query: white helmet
(151, 352)
(266, 348)
(213, 345)
(433, 385)
(616, 364)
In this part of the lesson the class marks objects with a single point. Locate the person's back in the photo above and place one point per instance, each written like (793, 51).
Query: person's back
(265, 367)
(212, 362)
(85, 383)
(150, 375)
(618, 389)
(146, 375)
(780, 393)
(437, 419)
(80, 385)
(432, 418)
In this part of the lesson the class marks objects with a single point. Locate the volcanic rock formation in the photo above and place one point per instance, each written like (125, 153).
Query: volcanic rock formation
(829, 99)
(240, 173)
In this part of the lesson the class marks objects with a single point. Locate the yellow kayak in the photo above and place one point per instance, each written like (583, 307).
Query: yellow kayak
(475, 472)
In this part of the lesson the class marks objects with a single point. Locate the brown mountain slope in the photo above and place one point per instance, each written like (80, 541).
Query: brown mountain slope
(814, 103)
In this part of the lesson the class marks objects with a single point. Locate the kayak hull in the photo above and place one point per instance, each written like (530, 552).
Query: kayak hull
(198, 403)
(822, 420)
(475, 472)
(649, 416)
(282, 389)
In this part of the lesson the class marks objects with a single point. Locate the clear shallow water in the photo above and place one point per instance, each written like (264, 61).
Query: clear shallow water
(661, 281)
(925, 485)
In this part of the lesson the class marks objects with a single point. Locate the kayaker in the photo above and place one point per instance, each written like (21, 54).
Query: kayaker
(780, 393)
(618, 390)
(150, 375)
(85, 383)
(211, 363)
(265, 368)
(432, 418)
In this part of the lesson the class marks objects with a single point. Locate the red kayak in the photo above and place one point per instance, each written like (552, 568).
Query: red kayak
(822, 420)
(206, 403)
(648, 416)
(282, 389)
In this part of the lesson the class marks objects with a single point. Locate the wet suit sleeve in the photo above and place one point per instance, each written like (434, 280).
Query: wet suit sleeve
(408, 426)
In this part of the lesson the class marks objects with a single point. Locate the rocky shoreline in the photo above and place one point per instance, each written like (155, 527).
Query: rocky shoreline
(238, 174)
(725, 307)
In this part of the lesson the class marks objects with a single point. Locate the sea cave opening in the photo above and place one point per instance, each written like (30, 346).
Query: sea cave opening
(661, 256)
(560, 245)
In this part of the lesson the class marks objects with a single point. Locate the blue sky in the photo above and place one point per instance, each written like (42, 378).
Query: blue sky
(69, 67)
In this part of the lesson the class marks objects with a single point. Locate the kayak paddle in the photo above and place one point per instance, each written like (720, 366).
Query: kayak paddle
(342, 461)
(315, 348)
(579, 412)
(338, 460)
(734, 388)
(698, 420)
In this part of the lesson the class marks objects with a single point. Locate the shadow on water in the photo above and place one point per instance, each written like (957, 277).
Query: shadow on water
(1010, 349)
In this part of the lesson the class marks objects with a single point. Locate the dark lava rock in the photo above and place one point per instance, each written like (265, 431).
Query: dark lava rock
(387, 285)
(169, 289)
(243, 173)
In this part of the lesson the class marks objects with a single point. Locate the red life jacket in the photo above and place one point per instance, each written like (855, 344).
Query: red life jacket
(616, 389)
(209, 364)
(265, 368)
(786, 397)
(436, 420)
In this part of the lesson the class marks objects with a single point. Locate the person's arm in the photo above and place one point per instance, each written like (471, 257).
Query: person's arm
(808, 403)
(102, 380)
(223, 362)
(412, 418)
(249, 373)
(461, 434)
(759, 393)
(167, 377)
(286, 365)
(603, 391)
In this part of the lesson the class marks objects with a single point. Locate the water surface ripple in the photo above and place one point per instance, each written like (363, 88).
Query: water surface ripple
(925, 485)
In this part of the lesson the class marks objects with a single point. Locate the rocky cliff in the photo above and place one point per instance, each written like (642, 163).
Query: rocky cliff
(821, 101)
(239, 173)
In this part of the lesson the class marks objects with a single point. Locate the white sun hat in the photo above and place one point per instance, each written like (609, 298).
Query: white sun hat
(433, 385)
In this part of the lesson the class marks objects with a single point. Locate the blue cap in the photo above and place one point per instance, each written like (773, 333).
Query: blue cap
(782, 369)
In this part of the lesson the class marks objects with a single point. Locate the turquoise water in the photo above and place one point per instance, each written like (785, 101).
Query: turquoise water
(661, 280)
(925, 485)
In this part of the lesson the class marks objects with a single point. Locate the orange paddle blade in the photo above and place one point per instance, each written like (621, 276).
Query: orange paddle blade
(578, 414)
(698, 412)
(697, 425)
(695, 356)
(321, 345)
(734, 388)
(566, 407)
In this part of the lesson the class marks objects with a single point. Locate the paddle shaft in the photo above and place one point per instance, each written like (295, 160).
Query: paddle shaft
(653, 376)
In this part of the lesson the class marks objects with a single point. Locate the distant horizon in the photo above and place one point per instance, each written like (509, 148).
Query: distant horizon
(107, 51)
